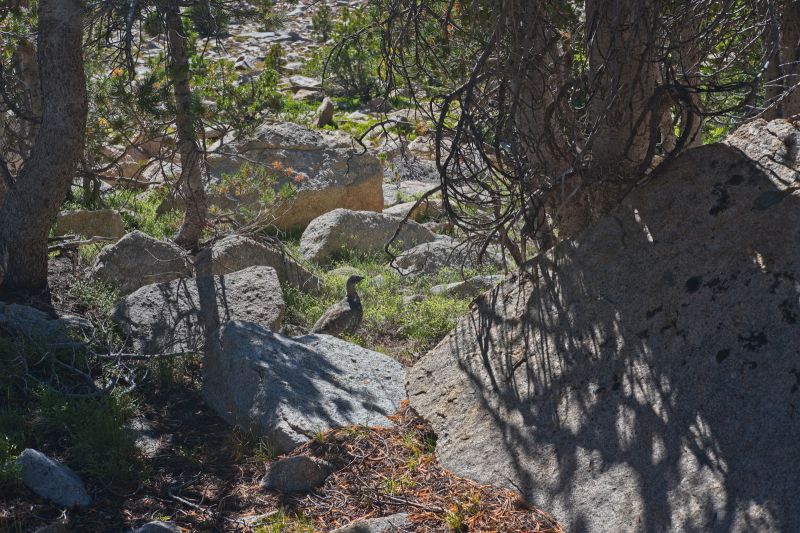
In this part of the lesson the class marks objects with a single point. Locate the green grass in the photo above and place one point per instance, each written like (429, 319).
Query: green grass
(284, 522)
(91, 431)
(386, 314)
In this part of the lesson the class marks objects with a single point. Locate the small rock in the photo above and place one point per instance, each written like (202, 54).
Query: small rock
(427, 209)
(157, 526)
(296, 474)
(237, 252)
(430, 258)
(101, 223)
(298, 82)
(379, 104)
(360, 231)
(138, 259)
(307, 95)
(385, 524)
(51, 480)
(468, 288)
(325, 113)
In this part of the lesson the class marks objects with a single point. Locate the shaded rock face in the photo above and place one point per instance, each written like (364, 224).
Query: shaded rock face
(173, 316)
(651, 382)
(357, 231)
(237, 252)
(326, 171)
(50, 479)
(101, 223)
(289, 389)
(27, 324)
(137, 260)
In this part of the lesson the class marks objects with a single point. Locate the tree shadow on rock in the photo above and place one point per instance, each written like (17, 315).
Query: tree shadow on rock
(644, 377)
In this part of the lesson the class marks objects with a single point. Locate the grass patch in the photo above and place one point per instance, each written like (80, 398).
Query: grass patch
(283, 522)
(388, 315)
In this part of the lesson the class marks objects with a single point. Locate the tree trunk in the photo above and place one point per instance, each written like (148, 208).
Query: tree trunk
(191, 180)
(33, 199)
(623, 76)
(623, 114)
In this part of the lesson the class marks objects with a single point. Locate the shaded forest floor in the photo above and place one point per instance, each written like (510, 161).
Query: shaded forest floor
(191, 468)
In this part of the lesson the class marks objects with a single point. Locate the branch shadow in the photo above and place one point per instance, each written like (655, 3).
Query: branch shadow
(645, 377)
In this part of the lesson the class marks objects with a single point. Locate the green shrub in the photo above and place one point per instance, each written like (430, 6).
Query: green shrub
(93, 433)
(322, 22)
(353, 61)
(10, 478)
(152, 24)
(207, 23)
(272, 19)
(275, 59)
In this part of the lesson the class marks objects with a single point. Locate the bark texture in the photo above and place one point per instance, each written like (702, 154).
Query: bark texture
(783, 71)
(191, 180)
(33, 198)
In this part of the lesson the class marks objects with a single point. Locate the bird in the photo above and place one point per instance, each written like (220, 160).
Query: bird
(345, 315)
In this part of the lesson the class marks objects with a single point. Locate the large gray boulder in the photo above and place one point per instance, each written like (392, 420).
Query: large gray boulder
(326, 171)
(431, 257)
(343, 230)
(137, 260)
(51, 480)
(100, 223)
(645, 376)
(290, 389)
(175, 316)
(236, 252)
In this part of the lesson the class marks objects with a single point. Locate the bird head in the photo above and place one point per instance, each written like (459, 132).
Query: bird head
(352, 280)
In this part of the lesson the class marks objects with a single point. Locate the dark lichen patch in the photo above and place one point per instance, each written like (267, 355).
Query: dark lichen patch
(723, 200)
(653, 312)
(778, 278)
(754, 340)
(768, 199)
(749, 365)
(718, 285)
(736, 179)
(788, 311)
(694, 283)
(645, 333)
(796, 374)
(723, 354)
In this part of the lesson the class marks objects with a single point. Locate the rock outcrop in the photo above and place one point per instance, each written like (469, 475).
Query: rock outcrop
(325, 170)
(176, 316)
(101, 223)
(137, 260)
(357, 231)
(237, 252)
(645, 376)
(290, 389)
